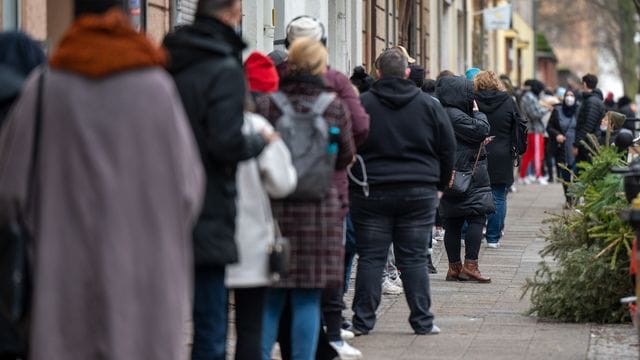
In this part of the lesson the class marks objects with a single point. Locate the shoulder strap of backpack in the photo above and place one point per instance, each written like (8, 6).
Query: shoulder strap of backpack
(322, 103)
(282, 102)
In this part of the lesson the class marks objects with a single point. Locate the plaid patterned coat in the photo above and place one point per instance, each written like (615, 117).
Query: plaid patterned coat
(314, 228)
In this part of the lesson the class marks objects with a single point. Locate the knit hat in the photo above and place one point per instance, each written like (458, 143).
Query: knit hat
(616, 119)
(305, 26)
(95, 6)
(278, 56)
(471, 73)
(261, 73)
(417, 75)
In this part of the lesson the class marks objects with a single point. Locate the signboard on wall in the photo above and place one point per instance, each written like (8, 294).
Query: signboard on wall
(497, 18)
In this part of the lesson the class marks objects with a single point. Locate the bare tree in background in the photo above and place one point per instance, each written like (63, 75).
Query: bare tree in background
(612, 27)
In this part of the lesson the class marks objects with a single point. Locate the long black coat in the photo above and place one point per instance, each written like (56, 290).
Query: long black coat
(588, 121)
(470, 128)
(205, 64)
(503, 116)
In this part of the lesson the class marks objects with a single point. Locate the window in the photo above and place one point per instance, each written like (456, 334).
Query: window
(10, 15)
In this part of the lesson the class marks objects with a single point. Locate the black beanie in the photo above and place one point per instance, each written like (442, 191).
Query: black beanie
(95, 6)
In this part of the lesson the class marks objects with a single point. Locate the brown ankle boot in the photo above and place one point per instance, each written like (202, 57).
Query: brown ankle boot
(454, 271)
(470, 272)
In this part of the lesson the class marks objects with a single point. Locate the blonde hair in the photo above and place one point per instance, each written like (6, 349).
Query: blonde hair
(488, 80)
(307, 56)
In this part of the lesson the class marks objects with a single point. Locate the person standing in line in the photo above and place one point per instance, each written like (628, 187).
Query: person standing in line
(562, 133)
(269, 175)
(206, 67)
(334, 81)
(314, 227)
(533, 111)
(118, 186)
(589, 117)
(407, 158)
(471, 129)
(504, 119)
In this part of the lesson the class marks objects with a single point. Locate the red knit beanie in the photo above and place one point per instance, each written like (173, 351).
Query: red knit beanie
(261, 73)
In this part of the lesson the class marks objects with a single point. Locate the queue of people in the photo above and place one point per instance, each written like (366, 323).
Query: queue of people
(157, 182)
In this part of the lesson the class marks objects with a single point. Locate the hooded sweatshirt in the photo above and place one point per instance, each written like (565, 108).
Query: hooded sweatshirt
(410, 141)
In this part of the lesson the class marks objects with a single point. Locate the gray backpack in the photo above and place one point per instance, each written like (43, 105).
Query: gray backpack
(307, 135)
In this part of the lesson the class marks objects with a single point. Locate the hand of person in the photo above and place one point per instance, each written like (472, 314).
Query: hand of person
(560, 139)
(575, 151)
(475, 106)
(440, 193)
(269, 136)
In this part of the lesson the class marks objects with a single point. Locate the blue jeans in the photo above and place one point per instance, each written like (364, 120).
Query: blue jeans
(305, 321)
(402, 216)
(209, 314)
(495, 221)
(349, 250)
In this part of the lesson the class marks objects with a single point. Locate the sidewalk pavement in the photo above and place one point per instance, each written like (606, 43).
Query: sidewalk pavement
(488, 321)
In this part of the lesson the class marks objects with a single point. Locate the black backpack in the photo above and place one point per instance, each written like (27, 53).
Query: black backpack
(308, 137)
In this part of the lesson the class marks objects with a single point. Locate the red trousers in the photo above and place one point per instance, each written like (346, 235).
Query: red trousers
(535, 153)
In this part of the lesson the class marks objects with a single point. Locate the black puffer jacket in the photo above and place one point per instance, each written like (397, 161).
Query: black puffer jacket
(471, 128)
(503, 116)
(205, 64)
(588, 121)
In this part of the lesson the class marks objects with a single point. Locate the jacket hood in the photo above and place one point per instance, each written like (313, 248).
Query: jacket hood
(204, 39)
(490, 100)
(11, 81)
(395, 93)
(457, 92)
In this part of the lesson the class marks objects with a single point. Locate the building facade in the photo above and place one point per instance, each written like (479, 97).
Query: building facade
(439, 34)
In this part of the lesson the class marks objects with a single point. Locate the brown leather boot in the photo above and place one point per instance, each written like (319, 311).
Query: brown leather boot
(454, 271)
(470, 272)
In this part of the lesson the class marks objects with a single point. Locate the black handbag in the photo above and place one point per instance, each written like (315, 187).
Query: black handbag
(15, 277)
(460, 181)
(279, 255)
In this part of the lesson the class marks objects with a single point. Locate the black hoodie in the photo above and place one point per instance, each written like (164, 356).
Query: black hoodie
(503, 116)
(410, 141)
(205, 64)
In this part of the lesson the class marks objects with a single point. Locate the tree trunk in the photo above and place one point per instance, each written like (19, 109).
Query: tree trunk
(628, 48)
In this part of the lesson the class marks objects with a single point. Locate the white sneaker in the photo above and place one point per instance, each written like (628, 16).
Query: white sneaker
(389, 288)
(346, 334)
(493, 245)
(514, 189)
(542, 181)
(345, 351)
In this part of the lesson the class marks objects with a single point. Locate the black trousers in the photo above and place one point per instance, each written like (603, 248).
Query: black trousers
(472, 239)
(249, 309)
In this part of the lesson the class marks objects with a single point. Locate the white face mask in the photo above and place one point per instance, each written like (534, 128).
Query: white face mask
(570, 100)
